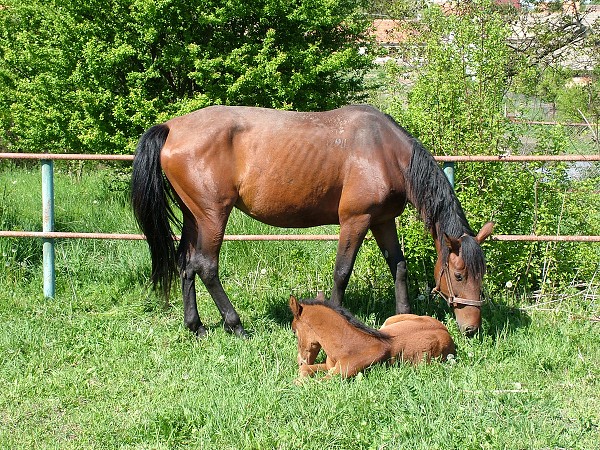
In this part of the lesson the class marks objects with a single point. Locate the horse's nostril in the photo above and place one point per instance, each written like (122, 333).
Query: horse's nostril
(470, 330)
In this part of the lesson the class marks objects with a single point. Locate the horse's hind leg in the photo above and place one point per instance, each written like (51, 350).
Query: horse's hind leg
(387, 240)
(206, 264)
(188, 276)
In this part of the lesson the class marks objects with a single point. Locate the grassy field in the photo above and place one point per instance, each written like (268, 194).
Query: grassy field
(106, 364)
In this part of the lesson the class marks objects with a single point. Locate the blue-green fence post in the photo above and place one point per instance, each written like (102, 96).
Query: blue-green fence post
(449, 171)
(47, 226)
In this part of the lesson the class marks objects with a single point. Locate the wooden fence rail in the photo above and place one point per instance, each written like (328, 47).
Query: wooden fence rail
(48, 234)
(441, 158)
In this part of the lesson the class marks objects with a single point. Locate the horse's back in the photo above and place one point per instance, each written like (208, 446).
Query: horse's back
(417, 337)
(415, 320)
(290, 168)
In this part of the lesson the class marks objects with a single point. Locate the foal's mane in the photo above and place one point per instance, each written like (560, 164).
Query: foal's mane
(347, 315)
(430, 192)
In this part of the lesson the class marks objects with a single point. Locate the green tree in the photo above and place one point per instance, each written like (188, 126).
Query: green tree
(461, 73)
(581, 102)
(90, 76)
(455, 105)
(552, 33)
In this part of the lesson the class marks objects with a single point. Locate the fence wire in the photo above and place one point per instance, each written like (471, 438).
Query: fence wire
(534, 120)
(539, 131)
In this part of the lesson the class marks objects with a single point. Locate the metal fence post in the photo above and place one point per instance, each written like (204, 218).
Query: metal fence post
(48, 225)
(449, 171)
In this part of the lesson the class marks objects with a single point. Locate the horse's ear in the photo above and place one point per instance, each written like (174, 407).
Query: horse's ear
(452, 243)
(320, 296)
(485, 232)
(295, 306)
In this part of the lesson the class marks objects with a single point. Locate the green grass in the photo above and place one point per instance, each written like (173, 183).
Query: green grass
(107, 365)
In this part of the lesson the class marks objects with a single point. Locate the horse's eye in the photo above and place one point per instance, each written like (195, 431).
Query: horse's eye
(458, 276)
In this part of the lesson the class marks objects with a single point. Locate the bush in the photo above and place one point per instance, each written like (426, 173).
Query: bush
(455, 108)
(91, 76)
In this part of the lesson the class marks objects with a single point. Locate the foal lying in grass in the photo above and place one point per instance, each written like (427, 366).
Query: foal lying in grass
(351, 346)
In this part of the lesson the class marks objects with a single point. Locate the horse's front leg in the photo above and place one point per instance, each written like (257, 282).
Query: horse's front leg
(352, 233)
(387, 240)
(401, 289)
(308, 370)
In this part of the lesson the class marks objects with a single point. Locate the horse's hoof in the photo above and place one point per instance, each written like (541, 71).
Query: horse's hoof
(238, 330)
(201, 333)
(469, 331)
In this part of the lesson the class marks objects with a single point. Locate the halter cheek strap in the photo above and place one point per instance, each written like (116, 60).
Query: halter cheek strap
(451, 299)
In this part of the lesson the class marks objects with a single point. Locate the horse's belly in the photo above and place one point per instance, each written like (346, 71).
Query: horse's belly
(313, 179)
(295, 205)
(288, 211)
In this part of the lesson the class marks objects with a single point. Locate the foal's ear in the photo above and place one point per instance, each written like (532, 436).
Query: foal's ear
(485, 232)
(295, 306)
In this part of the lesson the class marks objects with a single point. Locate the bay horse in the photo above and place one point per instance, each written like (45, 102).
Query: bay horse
(352, 166)
(351, 346)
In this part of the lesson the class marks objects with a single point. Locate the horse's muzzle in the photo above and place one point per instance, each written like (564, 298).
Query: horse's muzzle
(469, 330)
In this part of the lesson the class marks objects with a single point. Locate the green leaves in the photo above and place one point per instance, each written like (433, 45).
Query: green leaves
(460, 66)
(91, 77)
(455, 105)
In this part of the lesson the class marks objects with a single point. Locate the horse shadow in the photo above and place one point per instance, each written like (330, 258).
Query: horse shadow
(500, 318)
(375, 306)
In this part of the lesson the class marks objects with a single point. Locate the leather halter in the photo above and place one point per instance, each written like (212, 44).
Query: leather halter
(452, 299)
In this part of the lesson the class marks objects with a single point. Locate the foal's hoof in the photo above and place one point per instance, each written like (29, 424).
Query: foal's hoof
(300, 380)
(238, 330)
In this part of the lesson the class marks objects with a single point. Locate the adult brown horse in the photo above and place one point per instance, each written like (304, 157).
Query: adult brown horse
(353, 166)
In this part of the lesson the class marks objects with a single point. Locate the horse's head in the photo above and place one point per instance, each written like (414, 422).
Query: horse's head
(459, 274)
(308, 344)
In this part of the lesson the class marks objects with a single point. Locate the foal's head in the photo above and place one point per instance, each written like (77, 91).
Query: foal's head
(308, 343)
(459, 274)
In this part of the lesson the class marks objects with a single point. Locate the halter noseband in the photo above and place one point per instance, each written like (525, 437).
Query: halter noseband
(451, 299)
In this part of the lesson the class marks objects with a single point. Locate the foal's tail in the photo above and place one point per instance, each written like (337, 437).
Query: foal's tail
(150, 195)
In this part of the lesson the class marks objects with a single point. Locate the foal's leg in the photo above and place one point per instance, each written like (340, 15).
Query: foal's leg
(204, 260)
(352, 233)
(308, 370)
(387, 240)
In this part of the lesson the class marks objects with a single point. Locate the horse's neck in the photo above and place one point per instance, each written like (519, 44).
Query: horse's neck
(334, 331)
(432, 195)
(436, 238)
(323, 320)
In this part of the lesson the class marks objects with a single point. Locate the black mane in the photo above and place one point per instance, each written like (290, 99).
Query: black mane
(349, 318)
(430, 192)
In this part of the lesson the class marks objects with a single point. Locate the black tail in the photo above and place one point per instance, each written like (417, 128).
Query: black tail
(150, 194)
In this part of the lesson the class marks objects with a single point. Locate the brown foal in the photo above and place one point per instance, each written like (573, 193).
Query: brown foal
(351, 346)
